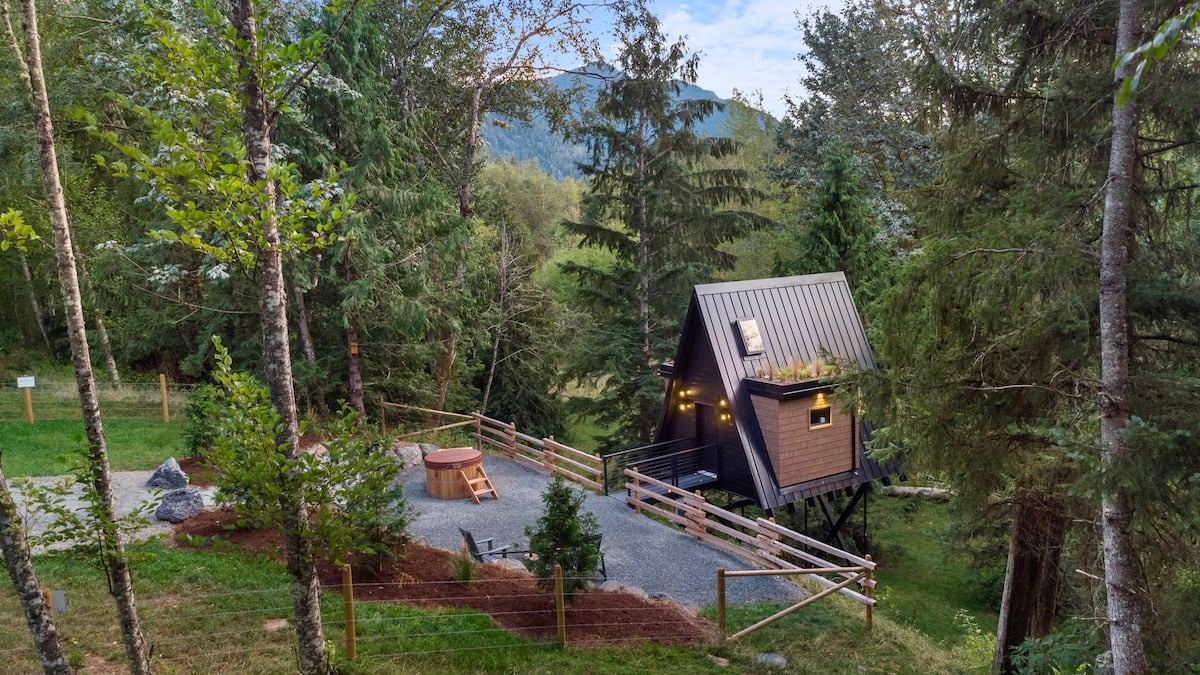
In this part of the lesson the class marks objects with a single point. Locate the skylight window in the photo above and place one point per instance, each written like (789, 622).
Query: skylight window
(752, 342)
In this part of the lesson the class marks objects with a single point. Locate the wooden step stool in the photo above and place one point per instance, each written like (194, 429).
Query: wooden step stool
(480, 484)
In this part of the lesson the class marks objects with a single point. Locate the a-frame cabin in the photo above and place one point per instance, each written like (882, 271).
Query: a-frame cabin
(745, 409)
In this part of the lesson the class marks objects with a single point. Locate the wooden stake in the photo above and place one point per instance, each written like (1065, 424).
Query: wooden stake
(348, 610)
(162, 390)
(721, 601)
(870, 593)
(29, 404)
(560, 608)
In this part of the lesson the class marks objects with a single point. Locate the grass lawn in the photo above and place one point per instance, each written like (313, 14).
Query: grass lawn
(38, 449)
(924, 584)
(216, 610)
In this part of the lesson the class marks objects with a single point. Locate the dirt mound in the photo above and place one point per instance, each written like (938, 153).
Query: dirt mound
(422, 577)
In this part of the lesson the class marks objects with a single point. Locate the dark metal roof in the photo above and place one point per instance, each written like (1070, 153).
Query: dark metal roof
(800, 318)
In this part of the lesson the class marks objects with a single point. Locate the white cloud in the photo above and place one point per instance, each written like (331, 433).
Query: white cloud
(744, 44)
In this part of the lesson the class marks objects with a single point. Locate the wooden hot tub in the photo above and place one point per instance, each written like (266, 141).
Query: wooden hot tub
(442, 479)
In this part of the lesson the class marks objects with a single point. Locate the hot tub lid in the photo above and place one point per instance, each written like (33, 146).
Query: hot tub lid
(453, 458)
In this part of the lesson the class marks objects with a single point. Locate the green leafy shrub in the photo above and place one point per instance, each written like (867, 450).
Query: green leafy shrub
(563, 535)
(203, 417)
(1071, 646)
(355, 501)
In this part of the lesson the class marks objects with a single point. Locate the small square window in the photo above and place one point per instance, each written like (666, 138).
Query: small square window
(819, 417)
(752, 342)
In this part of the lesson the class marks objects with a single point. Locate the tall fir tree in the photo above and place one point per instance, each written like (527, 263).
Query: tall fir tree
(840, 232)
(659, 205)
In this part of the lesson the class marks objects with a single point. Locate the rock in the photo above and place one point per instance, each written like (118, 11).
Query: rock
(407, 455)
(179, 505)
(427, 448)
(168, 476)
(771, 660)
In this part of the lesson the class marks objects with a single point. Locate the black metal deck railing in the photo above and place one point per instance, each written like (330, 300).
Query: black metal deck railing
(673, 462)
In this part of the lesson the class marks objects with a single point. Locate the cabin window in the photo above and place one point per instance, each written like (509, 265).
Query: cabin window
(820, 417)
(752, 342)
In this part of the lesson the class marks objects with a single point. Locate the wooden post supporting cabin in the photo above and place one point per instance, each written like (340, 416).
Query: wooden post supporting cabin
(721, 601)
(348, 610)
(870, 593)
(29, 405)
(162, 390)
(560, 606)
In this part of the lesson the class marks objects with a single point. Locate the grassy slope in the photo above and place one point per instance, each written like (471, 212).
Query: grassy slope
(37, 449)
(208, 612)
(924, 583)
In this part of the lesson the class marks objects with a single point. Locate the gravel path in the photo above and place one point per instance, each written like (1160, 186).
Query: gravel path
(639, 553)
(129, 492)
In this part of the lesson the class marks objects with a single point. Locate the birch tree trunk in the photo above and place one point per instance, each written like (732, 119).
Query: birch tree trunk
(30, 61)
(277, 358)
(304, 324)
(1120, 561)
(110, 363)
(33, 301)
(29, 589)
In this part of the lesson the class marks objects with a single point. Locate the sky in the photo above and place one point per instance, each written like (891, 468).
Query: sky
(746, 45)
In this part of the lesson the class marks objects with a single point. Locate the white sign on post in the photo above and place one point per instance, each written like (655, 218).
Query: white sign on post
(25, 382)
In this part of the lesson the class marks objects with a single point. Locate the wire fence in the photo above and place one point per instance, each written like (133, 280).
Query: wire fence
(55, 397)
(436, 626)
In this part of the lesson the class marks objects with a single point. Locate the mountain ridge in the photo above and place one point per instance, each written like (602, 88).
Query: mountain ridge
(521, 141)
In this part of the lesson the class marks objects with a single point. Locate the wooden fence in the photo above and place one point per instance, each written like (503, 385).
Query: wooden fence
(760, 541)
(543, 453)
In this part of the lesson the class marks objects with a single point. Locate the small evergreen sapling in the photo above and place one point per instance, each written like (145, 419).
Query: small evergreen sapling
(564, 535)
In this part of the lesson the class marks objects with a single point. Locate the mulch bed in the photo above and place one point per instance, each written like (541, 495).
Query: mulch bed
(422, 577)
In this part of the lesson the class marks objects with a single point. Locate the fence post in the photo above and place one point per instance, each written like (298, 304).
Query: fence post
(348, 610)
(510, 436)
(637, 494)
(870, 593)
(721, 601)
(695, 515)
(560, 608)
(162, 390)
(478, 433)
(29, 404)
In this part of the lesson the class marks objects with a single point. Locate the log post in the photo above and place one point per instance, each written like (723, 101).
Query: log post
(348, 610)
(721, 602)
(29, 405)
(870, 593)
(162, 390)
(560, 608)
